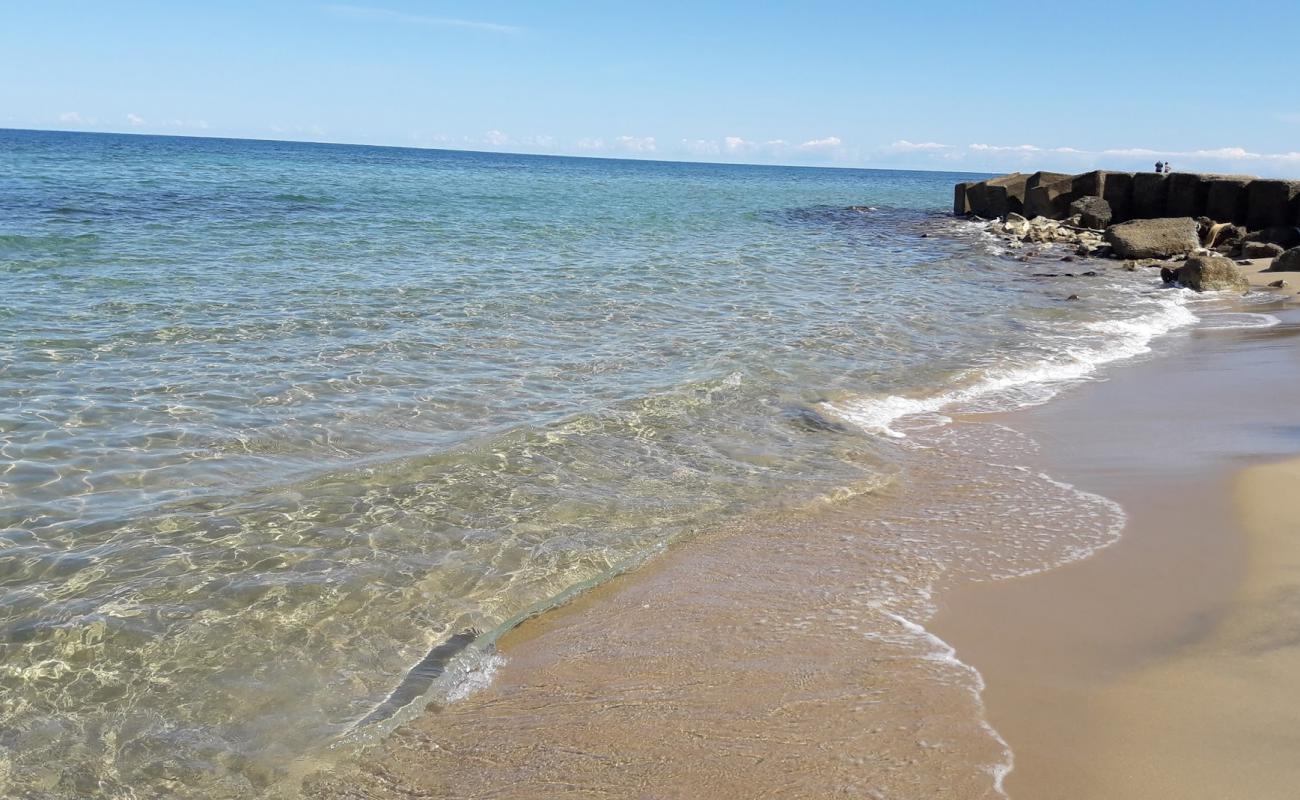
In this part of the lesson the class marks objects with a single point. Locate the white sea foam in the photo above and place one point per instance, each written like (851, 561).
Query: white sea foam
(1244, 320)
(946, 654)
(1022, 385)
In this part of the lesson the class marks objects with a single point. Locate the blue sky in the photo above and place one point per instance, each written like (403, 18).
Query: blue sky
(928, 85)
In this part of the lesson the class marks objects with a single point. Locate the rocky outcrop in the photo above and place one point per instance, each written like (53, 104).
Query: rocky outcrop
(1153, 238)
(1225, 206)
(1287, 262)
(1093, 212)
(1211, 274)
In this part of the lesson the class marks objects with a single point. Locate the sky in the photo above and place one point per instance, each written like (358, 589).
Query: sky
(971, 86)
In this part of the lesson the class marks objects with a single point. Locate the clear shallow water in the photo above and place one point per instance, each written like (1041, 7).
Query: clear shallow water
(280, 418)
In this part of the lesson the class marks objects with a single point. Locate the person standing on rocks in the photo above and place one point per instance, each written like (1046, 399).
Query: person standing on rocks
(1160, 167)
(1168, 169)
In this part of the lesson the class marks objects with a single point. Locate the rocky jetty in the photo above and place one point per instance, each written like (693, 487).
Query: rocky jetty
(1255, 203)
(1149, 219)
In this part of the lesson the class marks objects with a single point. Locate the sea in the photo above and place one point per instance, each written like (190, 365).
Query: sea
(291, 433)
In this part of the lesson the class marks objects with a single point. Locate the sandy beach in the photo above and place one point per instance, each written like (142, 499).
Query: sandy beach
(731, 667)
(1148, 670)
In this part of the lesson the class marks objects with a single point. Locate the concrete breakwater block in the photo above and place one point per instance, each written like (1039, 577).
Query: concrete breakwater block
(1256, 203)
(1268, 203)
(1227, 200)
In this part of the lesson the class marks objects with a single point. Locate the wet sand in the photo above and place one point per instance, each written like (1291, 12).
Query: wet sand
(1166, 665)
(756, 663)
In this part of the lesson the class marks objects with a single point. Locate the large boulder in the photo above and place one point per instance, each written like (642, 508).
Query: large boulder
(1051, 200)
(1268, 203)
(1211, 274)
(1153, 238)
(1261, 250)
(1150, 195)
(1227, 200)
(1093, 212)
(1287, 262)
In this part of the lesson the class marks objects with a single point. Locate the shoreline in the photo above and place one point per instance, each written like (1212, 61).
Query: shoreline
(1069, 656)
(627, 653)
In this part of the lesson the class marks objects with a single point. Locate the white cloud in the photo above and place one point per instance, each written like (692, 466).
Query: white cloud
(1006, 157)
(1005, 148)
(496, 138)
(188, 125)
(384, 14)
(72, 118)
(135, 120)
(829, 143)
(904, 146)
(591, 144)
(635, 144)
(701, 147)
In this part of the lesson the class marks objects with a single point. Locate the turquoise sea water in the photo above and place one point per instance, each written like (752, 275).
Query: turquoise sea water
(278, 419)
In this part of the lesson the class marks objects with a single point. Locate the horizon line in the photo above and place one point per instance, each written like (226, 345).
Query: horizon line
(489, 152)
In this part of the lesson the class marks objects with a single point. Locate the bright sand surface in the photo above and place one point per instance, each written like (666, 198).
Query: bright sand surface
(731, 666)
(1169, 664)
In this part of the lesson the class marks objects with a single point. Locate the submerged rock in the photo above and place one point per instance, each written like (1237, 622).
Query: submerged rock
(1210, 274)
(1153, 238)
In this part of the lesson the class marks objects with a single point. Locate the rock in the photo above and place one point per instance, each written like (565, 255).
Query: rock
(1261, 250)
(1093, 212)
(1278, 284)
(1069, 258)
(1073, 297)
(1153, 238)
(1287, 262)
(1167, 274)
(1016, 225)
(1268, 203)
(1211, 274)
(1227, 200)
(1050, 200)
(1284, 236)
